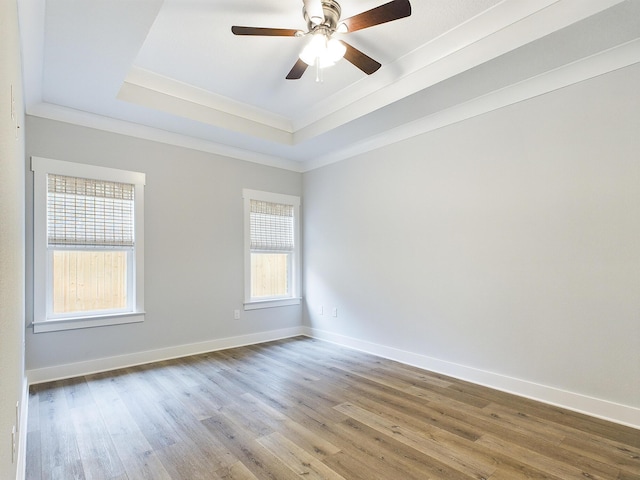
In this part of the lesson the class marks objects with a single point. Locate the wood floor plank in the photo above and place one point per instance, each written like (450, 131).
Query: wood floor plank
(624, 457)
(182, 461)
(289, 394)
(195, 396)
(412, 377)
(257, 425)
(77, 393)
(247, 450)
(438, 445)
(352, 468)
(570, 434)
(509, 472)
(149, 417)
(291, 429)
(507, 423)
(237, 471)
(97, 451)
(33, 422)
(415, 412)
(34, 466)
(392, 457)
(193, 433)
(555, 415)
(541, 462)
(294, 365)
(365, 459)
(627, 476)
(137, 455)
(588, 459)
(524, 424)
(297, 459)
(59, 455)
(302, 407)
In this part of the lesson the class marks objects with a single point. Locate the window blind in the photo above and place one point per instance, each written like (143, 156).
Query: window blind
(86, 212)
(271, 226)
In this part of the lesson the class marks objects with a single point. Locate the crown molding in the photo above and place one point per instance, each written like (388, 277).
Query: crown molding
(610, 60)
(502, 28)
(76, 117)
(152, 90)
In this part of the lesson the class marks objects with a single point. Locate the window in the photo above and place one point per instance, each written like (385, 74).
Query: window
(272, 258)
(88, 245)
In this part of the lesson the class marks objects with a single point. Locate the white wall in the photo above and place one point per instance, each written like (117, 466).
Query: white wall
(507, 244)
(193, 245)
(12, 235)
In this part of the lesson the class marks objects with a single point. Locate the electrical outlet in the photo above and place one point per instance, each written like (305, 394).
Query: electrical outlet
(236, 314)
(334, 312)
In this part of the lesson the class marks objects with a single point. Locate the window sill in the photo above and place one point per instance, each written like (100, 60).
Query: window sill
(278, 302)
(58, 324)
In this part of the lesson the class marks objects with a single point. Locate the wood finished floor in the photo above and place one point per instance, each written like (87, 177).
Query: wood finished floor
(302, 408)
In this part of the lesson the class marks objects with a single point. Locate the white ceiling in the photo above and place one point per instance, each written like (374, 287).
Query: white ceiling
(171, 70)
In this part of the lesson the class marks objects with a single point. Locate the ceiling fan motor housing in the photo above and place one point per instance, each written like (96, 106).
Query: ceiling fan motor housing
(331, 10)
(323, 20)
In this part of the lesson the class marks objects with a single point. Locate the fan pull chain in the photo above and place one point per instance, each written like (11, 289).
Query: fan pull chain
(319, 73)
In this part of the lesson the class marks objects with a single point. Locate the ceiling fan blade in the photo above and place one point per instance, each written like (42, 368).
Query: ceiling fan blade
(364, 62)
(388, 12)
(314, 11)
(265, 32)
(297, 71)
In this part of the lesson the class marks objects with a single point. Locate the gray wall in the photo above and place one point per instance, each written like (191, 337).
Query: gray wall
(193, 244)
(508, 243)
(12, 234)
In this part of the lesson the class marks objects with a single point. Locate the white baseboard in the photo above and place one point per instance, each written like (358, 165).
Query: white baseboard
(595, 407)
(59, 372)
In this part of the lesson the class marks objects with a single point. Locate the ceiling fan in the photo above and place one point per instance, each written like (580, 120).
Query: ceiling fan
(323, 20)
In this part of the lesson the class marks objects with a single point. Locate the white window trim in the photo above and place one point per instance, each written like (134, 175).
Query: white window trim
(295, 297)
(41, 168)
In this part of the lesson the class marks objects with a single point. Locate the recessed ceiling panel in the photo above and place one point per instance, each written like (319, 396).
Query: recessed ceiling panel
(253, 69)
(174, 68)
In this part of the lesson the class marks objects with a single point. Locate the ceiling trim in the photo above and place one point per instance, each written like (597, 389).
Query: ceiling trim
(502, 28)
(123, 127)
(472, 31)
(513, 22)
(599, 64)
(507, 26)
(220, 109)
(194, 110)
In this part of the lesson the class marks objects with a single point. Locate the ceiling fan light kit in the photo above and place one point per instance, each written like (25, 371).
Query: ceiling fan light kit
(322, 51)
(323, 20)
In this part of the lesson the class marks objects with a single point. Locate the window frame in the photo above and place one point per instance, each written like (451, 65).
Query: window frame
(294, 297)
(44, 320)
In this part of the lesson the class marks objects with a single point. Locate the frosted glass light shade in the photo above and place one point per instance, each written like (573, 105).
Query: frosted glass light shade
(327, 51)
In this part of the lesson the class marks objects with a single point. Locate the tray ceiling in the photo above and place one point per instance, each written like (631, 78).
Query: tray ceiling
(172, 71)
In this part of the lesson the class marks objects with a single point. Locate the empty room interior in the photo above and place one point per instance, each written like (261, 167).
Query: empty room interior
(353, 239)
